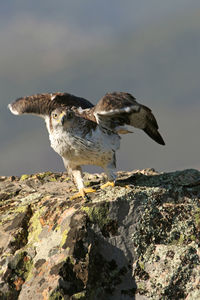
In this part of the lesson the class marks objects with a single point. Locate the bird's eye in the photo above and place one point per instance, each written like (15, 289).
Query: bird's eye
(55, 116)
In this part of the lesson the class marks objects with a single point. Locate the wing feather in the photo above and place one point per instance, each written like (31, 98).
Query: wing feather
(115, 110)
(44, 104)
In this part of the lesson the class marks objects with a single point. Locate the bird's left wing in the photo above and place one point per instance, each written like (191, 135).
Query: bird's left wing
(44, 104)
(115, 110)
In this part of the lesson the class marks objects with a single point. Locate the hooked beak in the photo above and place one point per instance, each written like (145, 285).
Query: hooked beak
(62, 118)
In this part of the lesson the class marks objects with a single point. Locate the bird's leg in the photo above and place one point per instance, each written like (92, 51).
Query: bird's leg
(111, 177)
(77, 175)
(108, 183)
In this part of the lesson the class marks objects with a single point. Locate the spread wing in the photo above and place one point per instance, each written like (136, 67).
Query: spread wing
(115, 110)
(44, 104)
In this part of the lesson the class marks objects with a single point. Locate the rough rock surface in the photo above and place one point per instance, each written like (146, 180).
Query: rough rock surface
(138, 240)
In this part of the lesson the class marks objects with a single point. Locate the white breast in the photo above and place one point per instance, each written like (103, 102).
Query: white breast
(95, 148)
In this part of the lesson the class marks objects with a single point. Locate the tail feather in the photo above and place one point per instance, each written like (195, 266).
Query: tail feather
(154, 134)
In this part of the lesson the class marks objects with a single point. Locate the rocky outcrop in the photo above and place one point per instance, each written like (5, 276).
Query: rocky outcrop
(138, 240)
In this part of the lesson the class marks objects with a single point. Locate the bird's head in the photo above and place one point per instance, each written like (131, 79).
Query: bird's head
(61, 117)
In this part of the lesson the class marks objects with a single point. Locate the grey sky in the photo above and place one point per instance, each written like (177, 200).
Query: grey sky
(149, 48)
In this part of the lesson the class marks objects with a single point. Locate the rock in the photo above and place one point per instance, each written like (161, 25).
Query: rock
(139, 240)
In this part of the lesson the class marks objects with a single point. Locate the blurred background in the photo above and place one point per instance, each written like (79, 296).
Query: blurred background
(148, 48)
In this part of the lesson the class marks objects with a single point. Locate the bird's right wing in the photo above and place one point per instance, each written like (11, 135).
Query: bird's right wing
(44, 104)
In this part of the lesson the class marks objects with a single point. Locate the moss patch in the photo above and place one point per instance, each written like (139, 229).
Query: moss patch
(56, 295)
(18, 271)
(98, 214)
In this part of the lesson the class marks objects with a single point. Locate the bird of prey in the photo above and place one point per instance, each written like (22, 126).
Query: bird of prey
(86, 134)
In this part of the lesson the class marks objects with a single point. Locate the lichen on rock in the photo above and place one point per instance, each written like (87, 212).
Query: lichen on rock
(138, 240)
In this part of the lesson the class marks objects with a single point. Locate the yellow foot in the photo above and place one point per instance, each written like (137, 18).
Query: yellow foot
(109, 183)
(83, 193)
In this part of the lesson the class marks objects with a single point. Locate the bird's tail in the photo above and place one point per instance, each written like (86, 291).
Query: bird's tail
(145, 120)
(154, 134)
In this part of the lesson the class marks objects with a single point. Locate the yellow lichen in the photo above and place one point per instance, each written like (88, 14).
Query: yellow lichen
(56, 295)
(24, 177)
(36, 226)
(79, 295)
(197, 217)
(52, 179)
(67, 179)
(43, 175)
(64, 237)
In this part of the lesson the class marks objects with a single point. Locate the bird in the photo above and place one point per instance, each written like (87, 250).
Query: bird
(86, 134)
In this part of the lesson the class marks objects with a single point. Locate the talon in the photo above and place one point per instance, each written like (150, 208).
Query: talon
(127, 186)
(109, 183)
(83, 193)
(89, 190)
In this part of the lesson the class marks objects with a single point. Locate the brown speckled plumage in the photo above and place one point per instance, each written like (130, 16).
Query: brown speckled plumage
(82, 133)
(44, 104)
